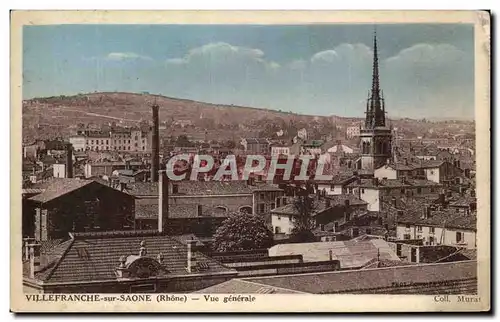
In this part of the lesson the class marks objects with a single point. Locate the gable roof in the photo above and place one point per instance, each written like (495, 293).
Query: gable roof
(60, 188)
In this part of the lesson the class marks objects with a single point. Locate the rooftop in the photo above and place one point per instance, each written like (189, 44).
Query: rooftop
(439, 218)
(95, 256)
(350, 253)
(441, 278)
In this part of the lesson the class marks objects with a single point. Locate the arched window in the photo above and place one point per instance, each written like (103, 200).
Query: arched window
(246, 209)
(221, 208)
(277, 230)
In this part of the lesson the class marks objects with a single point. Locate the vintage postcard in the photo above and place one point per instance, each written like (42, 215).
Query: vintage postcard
(245, 161)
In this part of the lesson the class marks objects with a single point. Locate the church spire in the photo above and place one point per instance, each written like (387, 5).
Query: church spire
(375, 110)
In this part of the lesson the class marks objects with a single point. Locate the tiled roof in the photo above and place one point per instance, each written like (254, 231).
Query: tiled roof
(441, 278)
(446, 217)
(351, 254)
(240, 286)
(60, 188)
(95, 256)
(463, 201)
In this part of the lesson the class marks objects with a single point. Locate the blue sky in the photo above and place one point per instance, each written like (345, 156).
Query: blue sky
(426, 70)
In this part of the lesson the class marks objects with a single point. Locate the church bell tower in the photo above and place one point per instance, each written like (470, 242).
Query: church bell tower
(375, 136)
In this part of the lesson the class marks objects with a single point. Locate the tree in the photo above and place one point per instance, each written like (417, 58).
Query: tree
(303, 226)
(242, 231)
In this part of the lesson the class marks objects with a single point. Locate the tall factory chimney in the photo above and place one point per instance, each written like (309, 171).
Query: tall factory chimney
(155, 151)
(69, 160)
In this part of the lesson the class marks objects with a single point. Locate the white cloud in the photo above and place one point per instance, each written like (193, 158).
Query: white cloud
(118, 56)
(428, 54)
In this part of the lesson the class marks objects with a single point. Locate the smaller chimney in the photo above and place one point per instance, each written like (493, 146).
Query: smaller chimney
(330, 255)
(142, 250)
(200, 210)
(191, 260)
(31, 248)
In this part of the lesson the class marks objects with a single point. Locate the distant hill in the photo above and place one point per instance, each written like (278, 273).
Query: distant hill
(53, 116)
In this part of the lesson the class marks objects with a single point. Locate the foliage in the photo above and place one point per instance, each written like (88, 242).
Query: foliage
(302, 230)
(242, 231)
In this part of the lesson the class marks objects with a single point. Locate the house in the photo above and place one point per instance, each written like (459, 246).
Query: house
(277, 150)
(313, 147)
(256, 146)
(375, 191)
(434, 170)
(77, 205)
(353, 131)
(438, 226)
(328, 213)
(97, 169)
(120, 262)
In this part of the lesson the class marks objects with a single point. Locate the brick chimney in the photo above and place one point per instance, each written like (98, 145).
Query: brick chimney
(191, 260)
(163, 187)
(69, 160)
(31, 248)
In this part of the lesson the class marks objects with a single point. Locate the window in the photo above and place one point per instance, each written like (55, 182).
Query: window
(362, 190)
(261, 207)
(92, 141)
(431, 230)
(368, 231)
(407, 226)
(406, 236)
(419, 190)
(433, 190)
(277, 230)
(403, 191)
(431, 172)
(279, 217)
(107, 141)
(273, 205)
(460, 237)
(419, 229)
(350, 190)
(355, 232)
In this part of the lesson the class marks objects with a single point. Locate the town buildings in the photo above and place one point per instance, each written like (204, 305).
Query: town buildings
(133, 139)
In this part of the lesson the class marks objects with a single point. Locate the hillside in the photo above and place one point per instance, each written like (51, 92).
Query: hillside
(57, 116)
